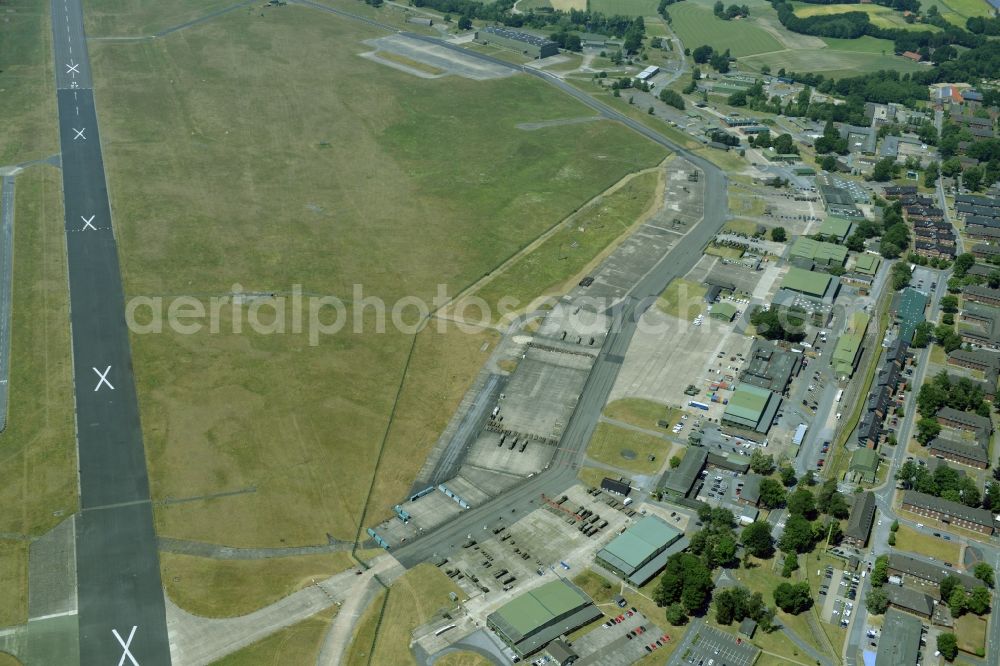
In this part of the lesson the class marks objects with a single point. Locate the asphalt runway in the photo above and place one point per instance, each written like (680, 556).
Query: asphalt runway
(121, 609)
(6, 274)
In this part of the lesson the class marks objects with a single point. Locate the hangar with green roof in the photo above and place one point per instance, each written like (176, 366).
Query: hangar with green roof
(532, 620)
(751, 408)
(835, 227)
(810, 283)
(820, 252)
(641, 551)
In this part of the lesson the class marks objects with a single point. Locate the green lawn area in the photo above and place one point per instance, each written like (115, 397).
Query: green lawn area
(125, 18)
(746, 204)
(27, 104)
(762, 578)
(580, 241)
(938, 355)
(625, 7)
(839, 60)
(724, 251)
(297, 644)
(228, 588)
(695, 24)
(908, 539)
(610, 442)
(683, 298)
(597, 587)
(738, 226)
(592, 476)
(971, 632)
(642, 413)
(371, 188)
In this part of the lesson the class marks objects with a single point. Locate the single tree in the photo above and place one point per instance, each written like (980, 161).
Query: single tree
(877, 601)
(778, 235)
(947, 645)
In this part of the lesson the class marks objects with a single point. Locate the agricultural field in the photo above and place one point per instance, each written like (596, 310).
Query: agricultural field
(695, 24)
(879, 15)
(841, 58)
(297, 644)
(372, 189)
(957, 11)
(626, 7)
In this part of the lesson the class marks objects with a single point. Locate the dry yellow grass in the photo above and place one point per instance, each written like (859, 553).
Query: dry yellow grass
(414, 598)
(123, 18)
(8, 660)
(13, 583)
(363, 190)
(228, 588)
(463, 659)
(297, 644)
(364, 633)
(38, 448)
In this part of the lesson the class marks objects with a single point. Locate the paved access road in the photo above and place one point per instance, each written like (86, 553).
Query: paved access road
(121, 608)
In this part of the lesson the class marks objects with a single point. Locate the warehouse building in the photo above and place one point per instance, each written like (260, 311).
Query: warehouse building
(816, 285)
(641, 551)
(835, 227)
(523, 42)
(751, 408)
(680, 481)
(819, 252)
(947, 511)
(530, 621)
(770, 367)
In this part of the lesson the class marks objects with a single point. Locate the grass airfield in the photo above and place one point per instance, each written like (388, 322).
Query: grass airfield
(263, 151)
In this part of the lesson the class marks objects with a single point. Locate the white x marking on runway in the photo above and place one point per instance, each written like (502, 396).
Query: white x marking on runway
(79, 134)
(72, 69)
(125, 644)
(103, 380)
(87, 223)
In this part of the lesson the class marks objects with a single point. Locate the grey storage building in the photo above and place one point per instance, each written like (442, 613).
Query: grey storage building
(533, 45)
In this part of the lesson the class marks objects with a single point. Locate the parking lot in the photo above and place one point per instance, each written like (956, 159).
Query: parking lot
(621, 643)
(712, 647)
(837, 594)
